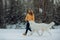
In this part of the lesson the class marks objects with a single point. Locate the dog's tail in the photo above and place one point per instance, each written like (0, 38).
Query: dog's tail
(51, 24)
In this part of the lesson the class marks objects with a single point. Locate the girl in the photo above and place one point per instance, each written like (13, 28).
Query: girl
(29, 17)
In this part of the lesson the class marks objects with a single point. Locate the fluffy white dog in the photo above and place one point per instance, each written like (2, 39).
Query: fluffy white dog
(40, 26)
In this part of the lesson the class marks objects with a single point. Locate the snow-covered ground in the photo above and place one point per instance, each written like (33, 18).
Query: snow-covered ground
(57, 27)
(16, 34)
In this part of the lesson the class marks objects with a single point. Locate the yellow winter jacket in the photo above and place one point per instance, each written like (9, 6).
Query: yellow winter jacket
(29, 17)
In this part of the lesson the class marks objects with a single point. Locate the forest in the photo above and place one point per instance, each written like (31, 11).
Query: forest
(14, 11)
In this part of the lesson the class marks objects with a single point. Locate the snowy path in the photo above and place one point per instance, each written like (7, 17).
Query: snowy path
(16, 34)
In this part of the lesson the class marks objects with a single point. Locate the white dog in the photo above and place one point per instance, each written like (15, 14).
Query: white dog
(40, 26)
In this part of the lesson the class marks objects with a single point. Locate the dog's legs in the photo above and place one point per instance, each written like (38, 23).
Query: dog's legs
(42, 33)
(38, 33)
(32, 32)
(49, 32)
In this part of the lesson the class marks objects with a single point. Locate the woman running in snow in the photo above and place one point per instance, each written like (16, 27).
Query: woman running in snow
(29, 17)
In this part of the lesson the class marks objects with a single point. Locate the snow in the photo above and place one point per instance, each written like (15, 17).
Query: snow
(16, 26)
(40, 10)
(17, 34)
(57, 27)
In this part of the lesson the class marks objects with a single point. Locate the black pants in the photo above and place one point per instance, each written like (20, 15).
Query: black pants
(27, 27)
